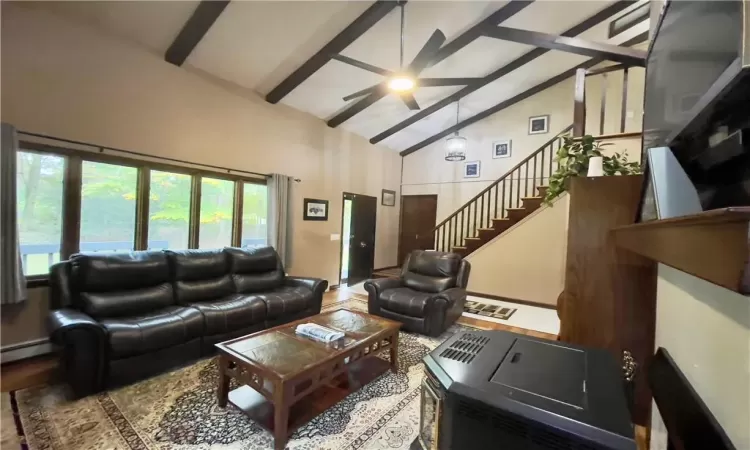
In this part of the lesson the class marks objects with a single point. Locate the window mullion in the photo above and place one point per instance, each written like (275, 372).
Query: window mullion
(71, 227)
(195, 212)
(239, 193)
(142, 195)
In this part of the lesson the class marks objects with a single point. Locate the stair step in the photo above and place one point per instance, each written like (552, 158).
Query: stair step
(542, 190)
(488, 233)
(516, 214)
(473, 243)
(502, 224)
(532, 203)
(463, 251)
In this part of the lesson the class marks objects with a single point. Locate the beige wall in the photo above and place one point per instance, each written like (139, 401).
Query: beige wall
(526, 262)
(706, 329)
(67, 80)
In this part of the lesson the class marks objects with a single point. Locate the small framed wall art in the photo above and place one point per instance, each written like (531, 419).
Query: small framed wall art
(471, 169)
(501, 149)
(388, 198)
(539, 124)
(316, 209)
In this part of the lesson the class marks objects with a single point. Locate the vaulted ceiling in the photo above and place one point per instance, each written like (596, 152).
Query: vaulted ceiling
(259, 44)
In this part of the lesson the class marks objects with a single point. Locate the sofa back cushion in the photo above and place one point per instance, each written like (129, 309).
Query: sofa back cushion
(430, 271)
(200, 275)
(119, 284)
(255, 270)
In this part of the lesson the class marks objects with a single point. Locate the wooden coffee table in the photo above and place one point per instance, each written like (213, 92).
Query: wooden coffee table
(288, 379)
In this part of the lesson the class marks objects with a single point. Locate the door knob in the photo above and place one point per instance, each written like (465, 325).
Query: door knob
(362, 244)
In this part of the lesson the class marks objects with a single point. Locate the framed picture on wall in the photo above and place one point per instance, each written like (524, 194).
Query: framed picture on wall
(471, 169)
(501, 149)
(315, 209)
(539, 124)
(388, 198)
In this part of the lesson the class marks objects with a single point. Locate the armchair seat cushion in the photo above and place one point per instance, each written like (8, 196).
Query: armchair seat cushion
(143, 333)
(286, 300)
(406, 301)
(231, 313)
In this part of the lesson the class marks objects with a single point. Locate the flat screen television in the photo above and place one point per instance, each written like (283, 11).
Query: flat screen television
(697, 96)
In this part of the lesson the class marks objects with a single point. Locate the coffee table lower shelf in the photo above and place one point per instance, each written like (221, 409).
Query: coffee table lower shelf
(261, 410)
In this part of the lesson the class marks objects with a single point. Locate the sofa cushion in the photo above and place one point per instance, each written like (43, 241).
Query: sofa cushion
(405, 301)
(286, 300)
(190, 265)
(105, 272)
(162, 328)
(200, 275)
(255, 270)
(232, 313)
(126, 302)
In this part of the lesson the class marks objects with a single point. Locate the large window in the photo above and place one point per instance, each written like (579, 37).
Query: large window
(108, 193)
(125, 204)
(217, 204)
(40, 204)
(169, 210)
(254, 212)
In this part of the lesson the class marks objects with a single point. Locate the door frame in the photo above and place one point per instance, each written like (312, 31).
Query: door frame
(401, 218)
(341, 228)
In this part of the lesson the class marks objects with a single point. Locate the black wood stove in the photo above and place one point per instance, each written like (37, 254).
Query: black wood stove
(495, 389)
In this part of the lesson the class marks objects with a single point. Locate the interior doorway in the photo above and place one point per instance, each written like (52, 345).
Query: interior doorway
(358, 218)
(418, 216)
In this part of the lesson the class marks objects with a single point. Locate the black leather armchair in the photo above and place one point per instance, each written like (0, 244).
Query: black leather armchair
(428, 297)
(118, 317)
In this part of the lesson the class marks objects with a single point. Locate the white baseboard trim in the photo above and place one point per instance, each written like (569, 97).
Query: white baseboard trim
(23, 350)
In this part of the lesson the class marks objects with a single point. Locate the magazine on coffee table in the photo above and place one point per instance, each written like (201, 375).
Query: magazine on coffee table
(318, 332)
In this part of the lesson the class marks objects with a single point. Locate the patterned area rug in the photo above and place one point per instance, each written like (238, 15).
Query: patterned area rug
(178, 410)
(488, 310)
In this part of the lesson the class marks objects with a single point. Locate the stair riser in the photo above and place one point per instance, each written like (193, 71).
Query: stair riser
(517, 215)
(532, 204)
(487, 235)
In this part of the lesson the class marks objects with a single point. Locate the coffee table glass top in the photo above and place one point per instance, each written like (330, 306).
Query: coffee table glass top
(282, 351)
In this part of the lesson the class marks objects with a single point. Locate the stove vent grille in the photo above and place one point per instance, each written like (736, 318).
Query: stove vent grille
(465, 348)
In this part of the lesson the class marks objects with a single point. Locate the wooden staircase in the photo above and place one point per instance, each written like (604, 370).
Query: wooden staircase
(502, 204)
(515, 215)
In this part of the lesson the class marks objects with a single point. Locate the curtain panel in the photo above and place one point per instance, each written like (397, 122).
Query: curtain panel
(279, 192)
(12, 280)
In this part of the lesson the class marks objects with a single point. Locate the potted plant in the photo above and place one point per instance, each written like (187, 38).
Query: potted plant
(573, 161)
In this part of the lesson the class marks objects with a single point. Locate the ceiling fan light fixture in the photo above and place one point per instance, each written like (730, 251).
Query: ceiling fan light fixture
(401, 83)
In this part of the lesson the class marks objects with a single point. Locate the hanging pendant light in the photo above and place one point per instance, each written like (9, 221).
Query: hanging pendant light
(455, 146)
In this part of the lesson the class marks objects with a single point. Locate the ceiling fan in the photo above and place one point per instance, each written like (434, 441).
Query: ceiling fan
(405, 81)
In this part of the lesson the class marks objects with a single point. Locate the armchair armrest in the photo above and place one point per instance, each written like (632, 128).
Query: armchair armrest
(84, 343)
(450, 296)
(317, 285)
(376, 287)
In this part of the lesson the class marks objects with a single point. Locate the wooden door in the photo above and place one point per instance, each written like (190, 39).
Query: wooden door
(362, 238)
(418, 216)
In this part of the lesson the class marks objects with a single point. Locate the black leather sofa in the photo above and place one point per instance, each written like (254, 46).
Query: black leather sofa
(428, 297)
(119, 317)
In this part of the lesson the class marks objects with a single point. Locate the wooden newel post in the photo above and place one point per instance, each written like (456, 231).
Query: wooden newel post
(579, 106)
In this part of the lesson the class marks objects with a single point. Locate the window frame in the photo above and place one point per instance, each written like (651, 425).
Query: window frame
(71, 197)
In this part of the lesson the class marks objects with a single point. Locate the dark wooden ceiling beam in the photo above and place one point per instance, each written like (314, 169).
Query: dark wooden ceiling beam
(361, 24)
(578, 46)
(643, 37)
(467, 37)
(194, 29)
(526, 58)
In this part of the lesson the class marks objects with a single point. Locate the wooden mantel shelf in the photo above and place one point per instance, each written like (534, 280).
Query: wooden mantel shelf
(712, 245)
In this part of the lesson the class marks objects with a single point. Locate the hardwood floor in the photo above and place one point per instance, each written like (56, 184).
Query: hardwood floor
(42, 370)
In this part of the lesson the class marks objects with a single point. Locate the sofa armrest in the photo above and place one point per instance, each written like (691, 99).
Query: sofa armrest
(317, 285)
(83, 341)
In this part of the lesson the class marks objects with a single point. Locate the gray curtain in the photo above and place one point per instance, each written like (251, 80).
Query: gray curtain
(279, 191)
(12, 281)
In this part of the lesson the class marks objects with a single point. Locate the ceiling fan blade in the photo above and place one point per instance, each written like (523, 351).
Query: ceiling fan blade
(410, 101)
(425, 55)
(362, 65)
(365, 91)
(429, 82)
